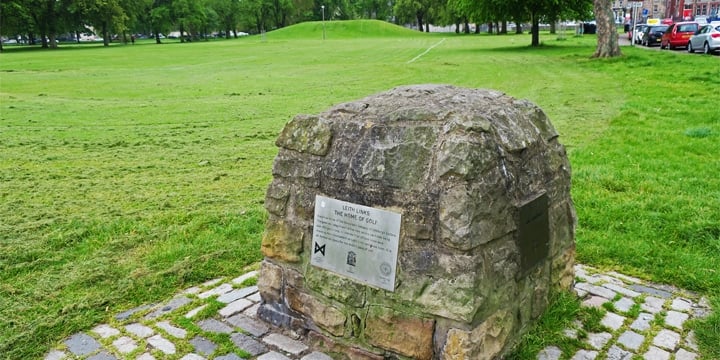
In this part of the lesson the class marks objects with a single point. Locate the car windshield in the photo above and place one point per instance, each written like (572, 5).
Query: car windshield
(659, 28)
(687, 28)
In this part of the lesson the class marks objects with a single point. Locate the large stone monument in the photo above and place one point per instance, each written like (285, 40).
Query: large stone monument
(426, 222)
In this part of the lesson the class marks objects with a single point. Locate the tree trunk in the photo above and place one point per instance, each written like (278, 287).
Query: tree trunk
(553, 29)
(106, 40)
(607, 37)
(477, 29)
(467, 26)
(427, 27)
(504, 27)
(157, 38)
(420, 21)
(535, 29)
(518, 28)
(490, 28)
(457, 27)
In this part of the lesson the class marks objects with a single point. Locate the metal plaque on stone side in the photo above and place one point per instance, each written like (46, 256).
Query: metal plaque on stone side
(533, 233)
(356, 241)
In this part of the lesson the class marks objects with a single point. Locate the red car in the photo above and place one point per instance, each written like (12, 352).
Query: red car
(678, 34)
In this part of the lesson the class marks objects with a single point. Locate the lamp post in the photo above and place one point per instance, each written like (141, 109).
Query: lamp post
(322, 7)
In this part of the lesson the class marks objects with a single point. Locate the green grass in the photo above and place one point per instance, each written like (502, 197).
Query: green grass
(549, 328)
(129, 172)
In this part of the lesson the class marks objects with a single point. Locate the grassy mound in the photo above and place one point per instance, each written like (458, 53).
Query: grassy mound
(349, 29)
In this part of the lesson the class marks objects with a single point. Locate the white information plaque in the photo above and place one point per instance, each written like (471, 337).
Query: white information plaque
(356, 241)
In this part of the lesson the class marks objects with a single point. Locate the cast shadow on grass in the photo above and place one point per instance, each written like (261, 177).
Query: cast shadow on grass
(543, 48)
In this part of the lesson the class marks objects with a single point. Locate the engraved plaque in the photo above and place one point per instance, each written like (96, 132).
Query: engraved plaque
(534, 233)
(356, 241)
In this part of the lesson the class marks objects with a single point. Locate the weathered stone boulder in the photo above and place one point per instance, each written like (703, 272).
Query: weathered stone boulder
(487, 230)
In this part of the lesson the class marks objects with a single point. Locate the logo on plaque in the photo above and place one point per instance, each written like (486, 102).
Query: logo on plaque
(320, 249)
(385, 269)
(351, 258)
(349, 232)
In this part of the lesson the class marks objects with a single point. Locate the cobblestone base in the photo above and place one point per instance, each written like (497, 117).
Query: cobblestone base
(183, 328)
(218, 320)
(656, 332)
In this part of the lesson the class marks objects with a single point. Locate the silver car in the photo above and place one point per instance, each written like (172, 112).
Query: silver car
(706, 38)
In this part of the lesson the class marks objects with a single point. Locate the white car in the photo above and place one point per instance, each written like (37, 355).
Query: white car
(639, 30)
(706, 38)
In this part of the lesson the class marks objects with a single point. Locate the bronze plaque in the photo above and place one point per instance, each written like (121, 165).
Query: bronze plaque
(533, 233)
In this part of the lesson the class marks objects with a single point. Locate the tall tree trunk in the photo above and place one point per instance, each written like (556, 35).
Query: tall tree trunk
(504, 27)
(427, 26)
(477, 29)
(490, 28)
(518, 28)
(467, 26)
(535, 29)
(457, 27)
(419, 16)
(607, 37)
(553, 29)
(106, 35)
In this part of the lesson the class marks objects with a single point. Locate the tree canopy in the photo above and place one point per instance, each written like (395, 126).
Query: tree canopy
(44, 20)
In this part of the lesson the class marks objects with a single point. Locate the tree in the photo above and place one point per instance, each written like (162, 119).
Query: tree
(45, 17)
(281, 10)
(374, 9)
(254, 14)
(228, 14)
(607, 43)
(408, 10)
(159, 18)
(188, 16)
(106, 15)
(14, 19)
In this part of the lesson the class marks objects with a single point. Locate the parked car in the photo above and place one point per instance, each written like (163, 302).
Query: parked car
(678, 34)
(707, 38)
(653, 35)
(639, 31)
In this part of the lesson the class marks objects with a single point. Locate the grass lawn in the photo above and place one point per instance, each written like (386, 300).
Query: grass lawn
(129, 172)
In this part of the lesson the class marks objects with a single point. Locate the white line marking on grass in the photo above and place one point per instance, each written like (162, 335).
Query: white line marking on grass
(427, 51)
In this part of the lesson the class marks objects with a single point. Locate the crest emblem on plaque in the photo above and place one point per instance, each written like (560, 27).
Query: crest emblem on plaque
(351, 258)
